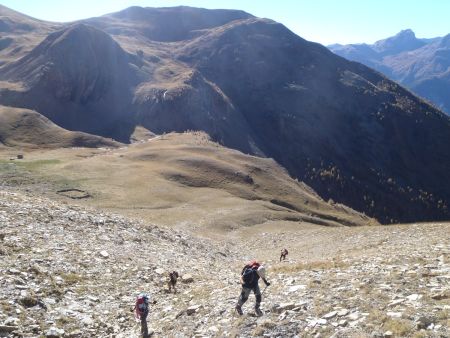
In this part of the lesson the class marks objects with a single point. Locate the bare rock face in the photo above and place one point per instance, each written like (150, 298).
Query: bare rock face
(194, 104)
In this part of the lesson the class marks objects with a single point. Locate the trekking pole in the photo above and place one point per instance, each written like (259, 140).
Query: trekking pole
(264, 290)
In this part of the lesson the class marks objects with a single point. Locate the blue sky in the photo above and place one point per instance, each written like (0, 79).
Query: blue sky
(324, 21)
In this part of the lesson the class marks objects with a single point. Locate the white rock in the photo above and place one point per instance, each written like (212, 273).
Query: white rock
(92, 298)
(394, 314)
(282, 316)
(388, 334)
(54, 332)
(290, 281)
(295, 288)
(353, 316)
(104, 254)
(213, 329)
(413, 297)
(312, 323)
(187, 278)
(342, 322)
(192, 309)
(343, 312)
(168, 309)
(13, 321)
(286, 306)
(87, 321)
(322, 321)
(330, 315)
(396, 302)
(160, 271)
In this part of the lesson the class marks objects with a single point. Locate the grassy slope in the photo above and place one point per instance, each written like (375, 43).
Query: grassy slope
(26, 128)
(184, 180)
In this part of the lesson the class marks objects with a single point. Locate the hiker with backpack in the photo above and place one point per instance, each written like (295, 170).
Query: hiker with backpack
(141, 309)
(250, 275)
(284, 253)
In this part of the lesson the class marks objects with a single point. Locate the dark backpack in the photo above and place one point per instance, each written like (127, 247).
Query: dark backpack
(249, 273)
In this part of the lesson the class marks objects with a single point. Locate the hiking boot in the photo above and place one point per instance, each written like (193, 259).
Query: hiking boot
(239, 310)
(258, 311)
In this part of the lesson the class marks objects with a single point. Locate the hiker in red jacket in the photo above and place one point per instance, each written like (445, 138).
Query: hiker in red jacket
(249, 280)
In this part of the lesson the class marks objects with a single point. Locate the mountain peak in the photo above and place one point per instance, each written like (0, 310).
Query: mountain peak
(403, 41)
(406, 33)
(80, 38)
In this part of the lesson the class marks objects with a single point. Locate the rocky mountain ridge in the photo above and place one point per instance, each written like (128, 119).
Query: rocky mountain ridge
(421, 65)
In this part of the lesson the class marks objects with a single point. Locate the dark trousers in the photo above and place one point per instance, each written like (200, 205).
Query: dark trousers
(246, 292)
(144, 328)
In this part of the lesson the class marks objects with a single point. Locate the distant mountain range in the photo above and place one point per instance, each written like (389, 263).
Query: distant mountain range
(422, 65)
(352, 134)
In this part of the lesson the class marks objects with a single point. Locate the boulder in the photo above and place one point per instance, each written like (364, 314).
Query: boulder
(7, 328)
(54, 332)
(187, 278)
(394, 314)
(423, 322)
(192, 309)
(343, 312)
(413, 297)
(283, 307)
(296, 288)
(160, 271)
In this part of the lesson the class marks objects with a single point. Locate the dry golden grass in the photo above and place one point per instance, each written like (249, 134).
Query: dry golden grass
(399, 327)
(26, 128)
(183, 180)
(317, 265)
(72, 278)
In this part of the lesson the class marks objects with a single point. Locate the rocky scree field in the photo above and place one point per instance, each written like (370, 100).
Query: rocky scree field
(71, 271)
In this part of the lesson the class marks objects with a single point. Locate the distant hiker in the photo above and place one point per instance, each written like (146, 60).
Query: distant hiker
(284, 253)
(173, 278)
(141, 309)
(249, 280)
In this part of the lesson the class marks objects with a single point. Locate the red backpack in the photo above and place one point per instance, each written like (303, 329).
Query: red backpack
(141, 305)
(253, 264)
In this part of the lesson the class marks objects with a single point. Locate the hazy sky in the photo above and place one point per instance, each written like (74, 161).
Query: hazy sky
(324, 21)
